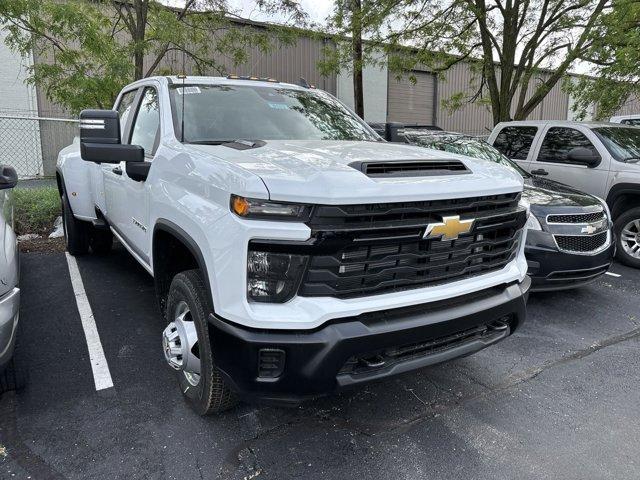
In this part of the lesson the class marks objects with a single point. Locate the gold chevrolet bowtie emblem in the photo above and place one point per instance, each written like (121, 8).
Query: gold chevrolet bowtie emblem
(449, 229)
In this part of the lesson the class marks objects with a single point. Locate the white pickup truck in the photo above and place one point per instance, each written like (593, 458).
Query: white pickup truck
(294, 252)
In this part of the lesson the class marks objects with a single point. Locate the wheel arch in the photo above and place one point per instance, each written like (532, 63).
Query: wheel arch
(622, 197)
(185, 254)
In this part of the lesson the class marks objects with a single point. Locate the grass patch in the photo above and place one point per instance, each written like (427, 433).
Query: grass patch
(35, 209)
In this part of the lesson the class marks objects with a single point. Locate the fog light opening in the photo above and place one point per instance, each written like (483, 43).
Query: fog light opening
(270, 363)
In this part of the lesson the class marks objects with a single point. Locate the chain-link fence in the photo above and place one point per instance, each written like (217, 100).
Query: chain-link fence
(31, 144)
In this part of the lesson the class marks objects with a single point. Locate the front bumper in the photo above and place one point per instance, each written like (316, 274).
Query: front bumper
(355, 350)
(552, 269)
(9, 307)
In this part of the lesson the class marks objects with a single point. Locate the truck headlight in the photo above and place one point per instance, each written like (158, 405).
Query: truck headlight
(266, 210)
(273, 277)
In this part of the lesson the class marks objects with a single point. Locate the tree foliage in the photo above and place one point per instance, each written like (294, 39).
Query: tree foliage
(508, 42)
(615, 56)
(95, 47)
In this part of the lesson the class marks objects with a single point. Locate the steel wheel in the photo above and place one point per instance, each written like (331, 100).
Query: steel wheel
(180, 344)
(630, 238)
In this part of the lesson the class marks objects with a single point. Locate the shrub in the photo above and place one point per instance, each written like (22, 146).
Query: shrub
(35, 209)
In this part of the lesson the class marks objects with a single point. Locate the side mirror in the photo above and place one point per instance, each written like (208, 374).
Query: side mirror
(8, 177)
(100, 139)
(584, 156)
(393, 132)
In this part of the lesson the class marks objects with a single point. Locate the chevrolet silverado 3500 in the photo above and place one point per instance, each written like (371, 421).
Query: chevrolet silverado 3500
(294, 253)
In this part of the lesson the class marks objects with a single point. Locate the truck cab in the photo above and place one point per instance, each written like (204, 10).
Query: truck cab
(294, 252)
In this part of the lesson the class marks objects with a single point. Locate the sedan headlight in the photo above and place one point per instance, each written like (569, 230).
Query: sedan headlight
(533, 223)
(266, 210)
(273, 277)
(606, 207)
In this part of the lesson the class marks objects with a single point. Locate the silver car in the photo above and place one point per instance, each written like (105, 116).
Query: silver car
(9, 274)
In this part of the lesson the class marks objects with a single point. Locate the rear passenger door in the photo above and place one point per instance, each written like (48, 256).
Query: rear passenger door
(516, 142)
(552, 158)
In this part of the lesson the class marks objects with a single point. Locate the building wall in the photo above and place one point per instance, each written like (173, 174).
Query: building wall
(374, 80)
(19, 137)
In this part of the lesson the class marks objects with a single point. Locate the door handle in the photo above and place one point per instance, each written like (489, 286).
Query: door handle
(539, 171)
(117, 170)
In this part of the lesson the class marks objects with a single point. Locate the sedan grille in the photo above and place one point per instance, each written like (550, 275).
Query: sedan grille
(582, 243)
(576, 218)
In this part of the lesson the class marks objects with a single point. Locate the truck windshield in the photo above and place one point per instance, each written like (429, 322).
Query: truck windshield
(623, 143)
(219, 113)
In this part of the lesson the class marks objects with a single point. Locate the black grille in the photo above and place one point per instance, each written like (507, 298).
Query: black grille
(410, 168)
(370, 249)
(576, 218)
(581, 243)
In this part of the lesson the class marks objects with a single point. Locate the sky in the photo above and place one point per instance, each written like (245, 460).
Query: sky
(318, 10)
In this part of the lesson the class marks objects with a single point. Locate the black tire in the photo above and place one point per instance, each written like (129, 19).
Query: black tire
(623, 220)
(76, 232)
(12, 378)
(211, 394)
(100, 240)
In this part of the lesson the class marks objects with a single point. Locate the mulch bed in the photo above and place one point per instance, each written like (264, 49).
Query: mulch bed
(42, 245)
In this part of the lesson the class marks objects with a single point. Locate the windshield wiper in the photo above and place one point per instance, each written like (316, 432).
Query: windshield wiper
(631, 159)
(211, 142)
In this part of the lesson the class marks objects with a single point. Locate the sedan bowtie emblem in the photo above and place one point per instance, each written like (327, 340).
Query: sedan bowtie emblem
(589, 229)
(449, 229)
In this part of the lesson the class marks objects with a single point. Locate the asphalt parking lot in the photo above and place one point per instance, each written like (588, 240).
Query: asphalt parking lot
(559, 399)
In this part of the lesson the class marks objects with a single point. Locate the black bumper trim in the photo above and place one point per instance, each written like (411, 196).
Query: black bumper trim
(314, 359)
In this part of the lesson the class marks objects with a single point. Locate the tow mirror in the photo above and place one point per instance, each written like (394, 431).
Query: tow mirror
(584, 156)
(8, 177)
(100, 139)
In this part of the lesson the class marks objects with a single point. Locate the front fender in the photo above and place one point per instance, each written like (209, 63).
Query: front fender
(77, 181)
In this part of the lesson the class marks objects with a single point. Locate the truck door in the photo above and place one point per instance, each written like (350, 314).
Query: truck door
(515, 142)
(553, 160)
(110, 187)
(128, 199)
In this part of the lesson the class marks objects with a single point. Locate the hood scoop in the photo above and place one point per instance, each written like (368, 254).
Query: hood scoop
(411, 168)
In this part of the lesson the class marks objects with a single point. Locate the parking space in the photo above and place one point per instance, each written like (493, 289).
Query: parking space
(559, 399)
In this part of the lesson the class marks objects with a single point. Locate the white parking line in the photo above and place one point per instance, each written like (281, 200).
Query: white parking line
(612, 274)
(101, 374)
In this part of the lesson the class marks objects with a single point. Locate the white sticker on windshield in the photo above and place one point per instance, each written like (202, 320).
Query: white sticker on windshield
(188, 90)
(278, 106)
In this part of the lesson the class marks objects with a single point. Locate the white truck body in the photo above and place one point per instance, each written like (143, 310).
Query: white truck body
(189, 187)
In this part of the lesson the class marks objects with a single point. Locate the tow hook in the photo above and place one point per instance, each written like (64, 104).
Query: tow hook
(499, 325)
(375, 361)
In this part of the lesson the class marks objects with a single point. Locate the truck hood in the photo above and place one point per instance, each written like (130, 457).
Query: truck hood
(319, 172)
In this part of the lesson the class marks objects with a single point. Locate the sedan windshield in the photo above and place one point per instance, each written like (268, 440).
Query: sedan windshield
(623, 143)
(462, 145)
(219, 113)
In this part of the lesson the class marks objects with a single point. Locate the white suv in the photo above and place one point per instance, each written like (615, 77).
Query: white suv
(602, 159)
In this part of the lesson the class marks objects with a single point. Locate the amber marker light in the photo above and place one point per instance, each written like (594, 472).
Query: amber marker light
(239, 205)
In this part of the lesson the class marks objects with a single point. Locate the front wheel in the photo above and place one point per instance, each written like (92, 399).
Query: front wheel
(187, 347)
(627, 229)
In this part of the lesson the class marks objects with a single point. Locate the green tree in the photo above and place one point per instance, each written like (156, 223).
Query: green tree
(351, 22)
(615, 57)
(93, 48)
(508, 42)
